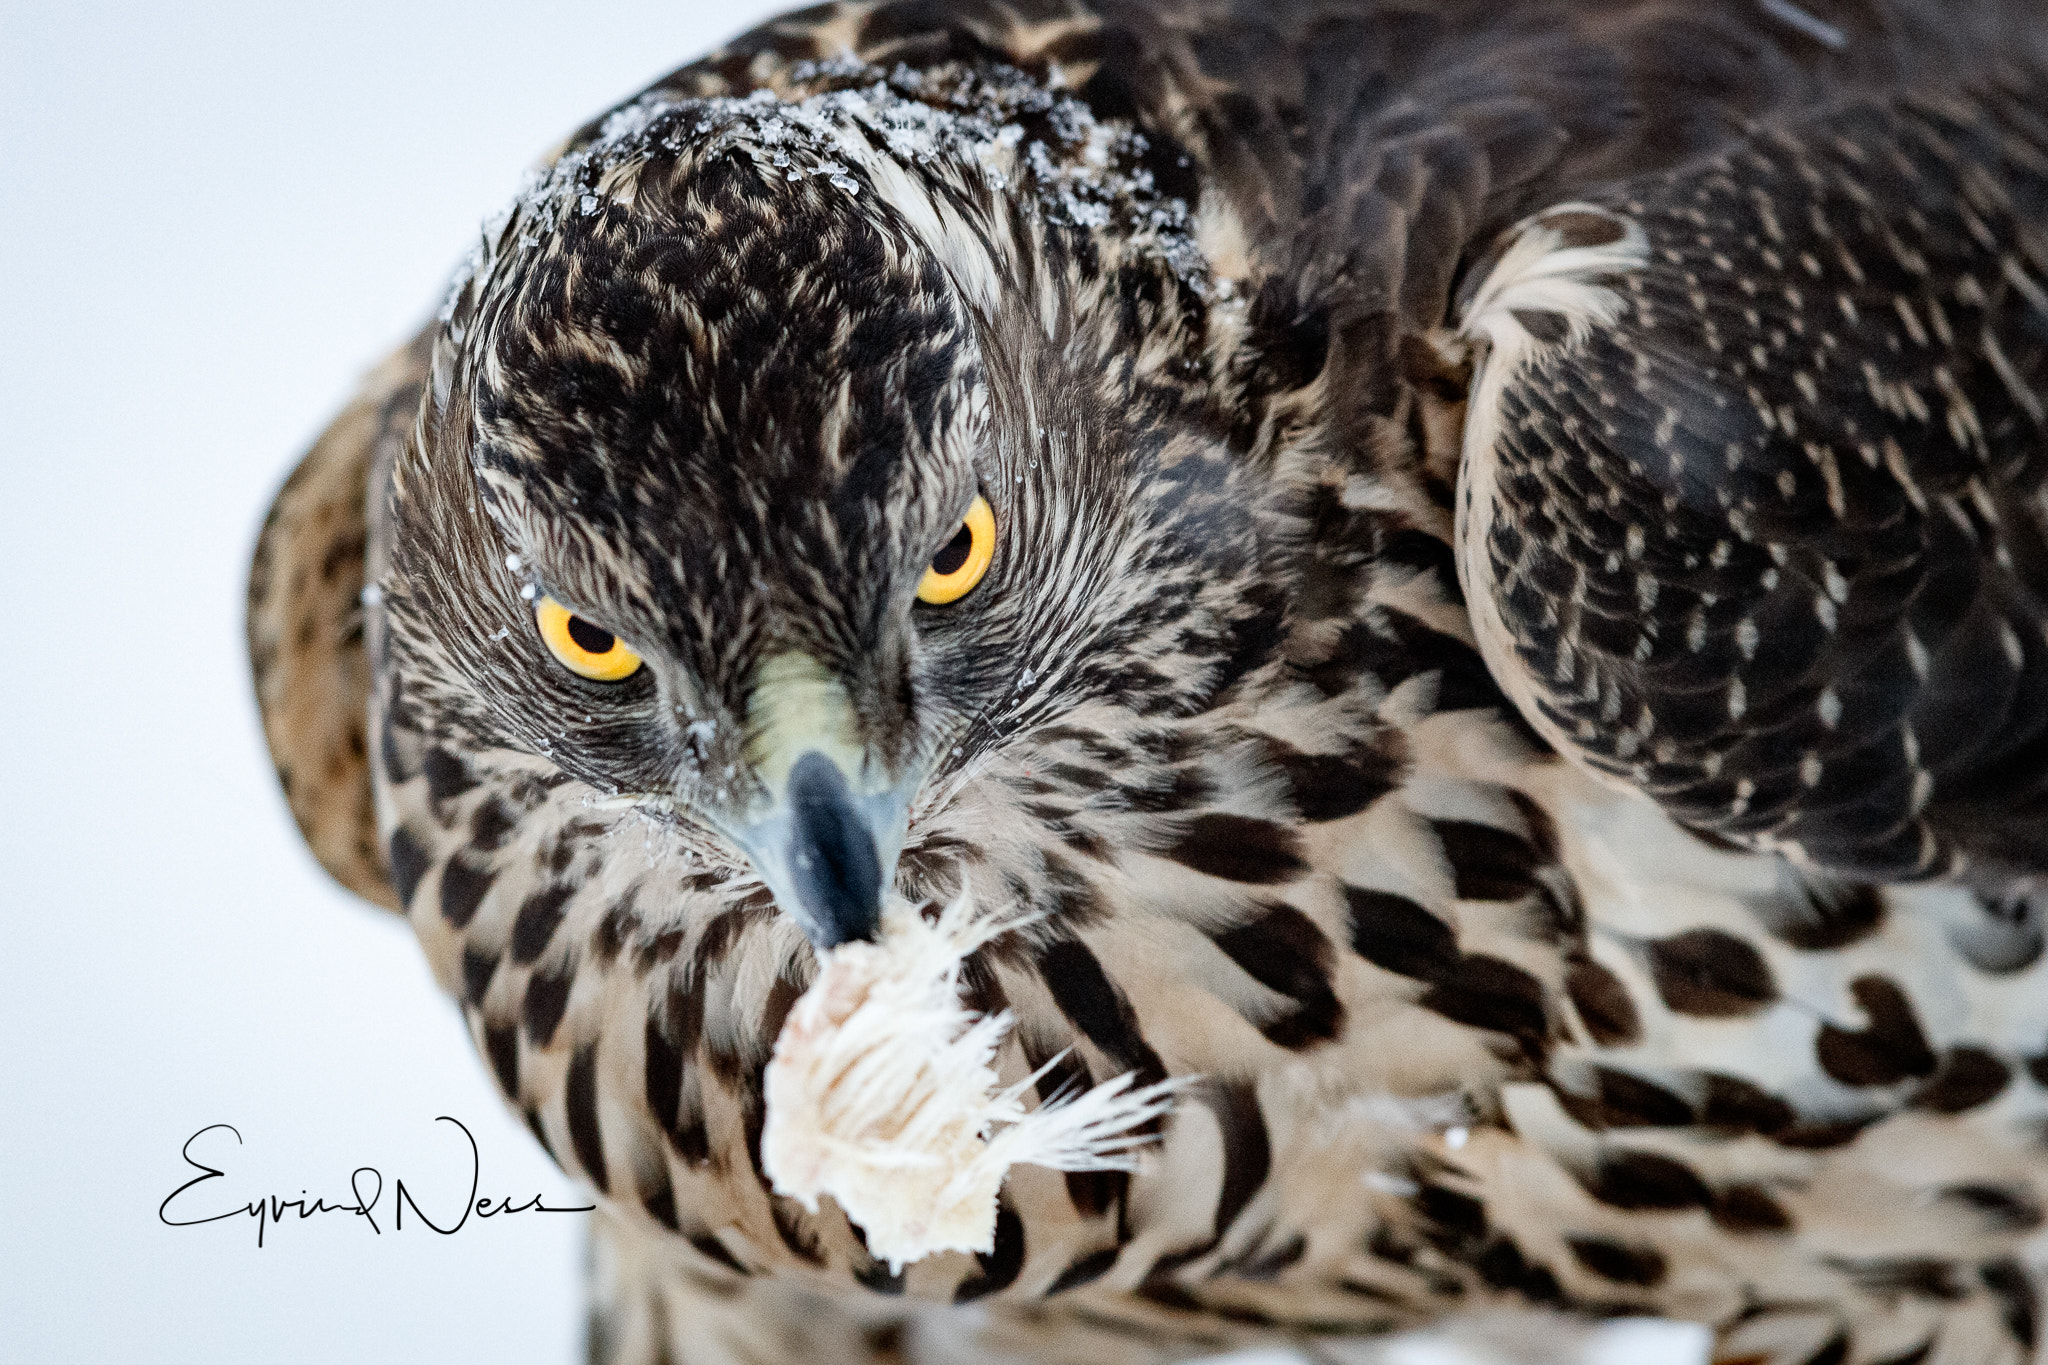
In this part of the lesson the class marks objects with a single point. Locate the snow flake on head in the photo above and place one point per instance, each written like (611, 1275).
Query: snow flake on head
(996, 125)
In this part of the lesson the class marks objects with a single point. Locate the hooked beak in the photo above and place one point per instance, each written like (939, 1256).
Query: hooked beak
(828, 853)
(827, 840)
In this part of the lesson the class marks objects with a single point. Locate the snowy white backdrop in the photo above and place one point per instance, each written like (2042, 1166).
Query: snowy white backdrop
(216, 215)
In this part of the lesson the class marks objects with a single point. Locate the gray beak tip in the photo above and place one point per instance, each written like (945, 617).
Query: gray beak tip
(830, 860)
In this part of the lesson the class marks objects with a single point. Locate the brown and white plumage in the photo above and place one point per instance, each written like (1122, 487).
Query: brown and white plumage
(1216, 304)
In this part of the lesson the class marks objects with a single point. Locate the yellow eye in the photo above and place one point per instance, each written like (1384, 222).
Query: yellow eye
(586, 650)
(961, 561)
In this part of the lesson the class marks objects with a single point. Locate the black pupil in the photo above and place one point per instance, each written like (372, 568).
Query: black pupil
(589, 638)
(949, 559)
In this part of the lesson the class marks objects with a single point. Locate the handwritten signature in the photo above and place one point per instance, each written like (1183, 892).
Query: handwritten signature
(273, 1208)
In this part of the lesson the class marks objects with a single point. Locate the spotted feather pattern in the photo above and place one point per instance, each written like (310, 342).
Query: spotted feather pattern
(1208, 300)
(1770, 543)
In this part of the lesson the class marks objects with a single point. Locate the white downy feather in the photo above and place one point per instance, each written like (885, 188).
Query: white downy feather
(882, 1094)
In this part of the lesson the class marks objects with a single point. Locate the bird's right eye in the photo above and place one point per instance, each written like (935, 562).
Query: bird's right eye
(961, 561)
(588, 651)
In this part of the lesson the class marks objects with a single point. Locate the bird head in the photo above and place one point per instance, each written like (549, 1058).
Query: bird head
(778, 466)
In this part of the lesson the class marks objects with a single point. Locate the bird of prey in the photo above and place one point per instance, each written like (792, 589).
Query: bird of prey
(1479, 570)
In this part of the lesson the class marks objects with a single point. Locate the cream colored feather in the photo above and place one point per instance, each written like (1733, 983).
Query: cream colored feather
(883, 1094)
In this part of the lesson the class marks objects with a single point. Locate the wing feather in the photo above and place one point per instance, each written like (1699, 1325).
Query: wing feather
(1770, 545)
(305, 624)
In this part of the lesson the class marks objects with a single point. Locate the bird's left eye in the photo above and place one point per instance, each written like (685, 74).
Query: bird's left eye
(588, 651)
(961, 561)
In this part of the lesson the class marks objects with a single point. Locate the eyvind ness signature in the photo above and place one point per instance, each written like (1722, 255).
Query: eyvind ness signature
(366, 1189)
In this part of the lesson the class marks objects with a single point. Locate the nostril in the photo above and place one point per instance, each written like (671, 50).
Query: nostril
(837, 868)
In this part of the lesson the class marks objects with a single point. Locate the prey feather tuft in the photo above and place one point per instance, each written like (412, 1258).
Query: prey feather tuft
(883, 1094)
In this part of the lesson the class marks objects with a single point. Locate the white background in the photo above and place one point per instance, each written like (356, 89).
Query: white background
(214, 217)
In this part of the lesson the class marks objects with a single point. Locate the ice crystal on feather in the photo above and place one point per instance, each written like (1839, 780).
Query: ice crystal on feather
(1086, 173)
